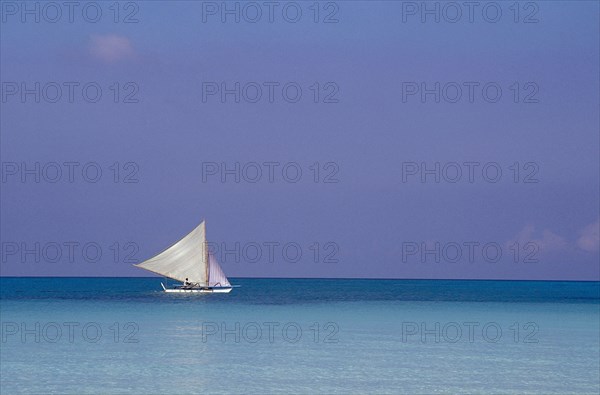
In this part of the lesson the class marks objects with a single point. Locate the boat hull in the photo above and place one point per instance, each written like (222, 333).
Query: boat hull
(203, 290)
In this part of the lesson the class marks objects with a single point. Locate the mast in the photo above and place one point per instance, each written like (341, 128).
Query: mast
(206, 254)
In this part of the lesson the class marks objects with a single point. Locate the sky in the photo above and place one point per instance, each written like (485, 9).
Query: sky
(347, 139)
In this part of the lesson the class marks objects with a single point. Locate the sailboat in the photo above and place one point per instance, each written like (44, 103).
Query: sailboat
(190, 262)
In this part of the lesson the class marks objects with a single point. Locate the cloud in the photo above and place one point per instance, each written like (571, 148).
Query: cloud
(590, 237)
(111, 48)
(548, 242)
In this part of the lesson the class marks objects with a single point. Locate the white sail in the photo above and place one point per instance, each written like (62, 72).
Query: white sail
(216, 277)
(188, 258)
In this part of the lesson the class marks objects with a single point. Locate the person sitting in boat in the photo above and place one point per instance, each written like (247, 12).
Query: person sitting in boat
(186, 283)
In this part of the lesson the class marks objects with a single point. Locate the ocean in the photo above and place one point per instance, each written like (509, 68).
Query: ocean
(299, 336)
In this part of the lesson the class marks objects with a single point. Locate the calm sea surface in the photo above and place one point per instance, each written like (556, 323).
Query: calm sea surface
(301, 336)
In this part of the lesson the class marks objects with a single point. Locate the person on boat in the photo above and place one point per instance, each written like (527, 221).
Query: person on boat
(186, 283)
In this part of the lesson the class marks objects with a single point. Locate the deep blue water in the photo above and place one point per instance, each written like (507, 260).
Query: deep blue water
(123, 335)
(299, 291)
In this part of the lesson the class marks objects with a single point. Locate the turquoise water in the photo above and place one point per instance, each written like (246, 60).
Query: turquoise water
(113, 336)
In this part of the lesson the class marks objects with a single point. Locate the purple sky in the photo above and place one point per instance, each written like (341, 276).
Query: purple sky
(371, 219)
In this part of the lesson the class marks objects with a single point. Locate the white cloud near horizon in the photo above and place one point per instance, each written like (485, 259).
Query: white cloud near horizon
(548, 242)
(111, 48)
(590, 237)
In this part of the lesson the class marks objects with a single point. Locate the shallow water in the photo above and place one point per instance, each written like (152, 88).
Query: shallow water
(122, 335)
